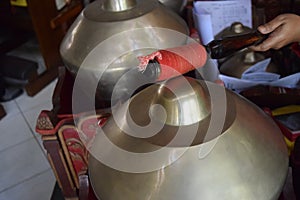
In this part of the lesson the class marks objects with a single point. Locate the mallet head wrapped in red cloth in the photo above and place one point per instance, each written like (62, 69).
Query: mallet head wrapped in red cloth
(168, 63)
(172, 62)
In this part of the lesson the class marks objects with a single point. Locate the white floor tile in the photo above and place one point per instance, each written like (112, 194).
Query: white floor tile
(13, 130)
(43, 98)
(21, 163)
(40, 142)
(11, 108)
(38, 188)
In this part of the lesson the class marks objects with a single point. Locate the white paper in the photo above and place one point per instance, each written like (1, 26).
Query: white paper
(203, 24)
(222, 14)
(257, 72)
(256, 75)
(236, 84)
(261, 76)
(291, 81)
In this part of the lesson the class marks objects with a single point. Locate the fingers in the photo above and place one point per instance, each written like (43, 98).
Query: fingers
(272, 25)
(281, 31)
(264, 46)
(276, 34)
(272, 42)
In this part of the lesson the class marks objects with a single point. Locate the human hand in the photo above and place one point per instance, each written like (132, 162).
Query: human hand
(282, 30)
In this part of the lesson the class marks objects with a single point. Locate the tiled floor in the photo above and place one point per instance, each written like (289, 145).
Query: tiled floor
(24, 169)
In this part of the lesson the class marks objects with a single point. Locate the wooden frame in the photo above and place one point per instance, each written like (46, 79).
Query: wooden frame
(49, 25)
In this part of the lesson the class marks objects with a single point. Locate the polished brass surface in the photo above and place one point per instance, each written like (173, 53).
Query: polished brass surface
(118, 5)
(102, 20)
(248, 160)
(240, 62)
(187, 106)
(176, 5)
(234, 29)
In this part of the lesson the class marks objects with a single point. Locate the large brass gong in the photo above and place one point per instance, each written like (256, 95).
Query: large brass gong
(245, 158)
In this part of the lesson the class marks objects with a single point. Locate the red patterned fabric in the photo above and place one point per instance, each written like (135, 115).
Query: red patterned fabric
(45, 126)
(75, 140)
(76, 150)
(88, 127)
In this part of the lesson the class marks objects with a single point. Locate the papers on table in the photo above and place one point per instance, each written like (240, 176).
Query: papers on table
(257, 75)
